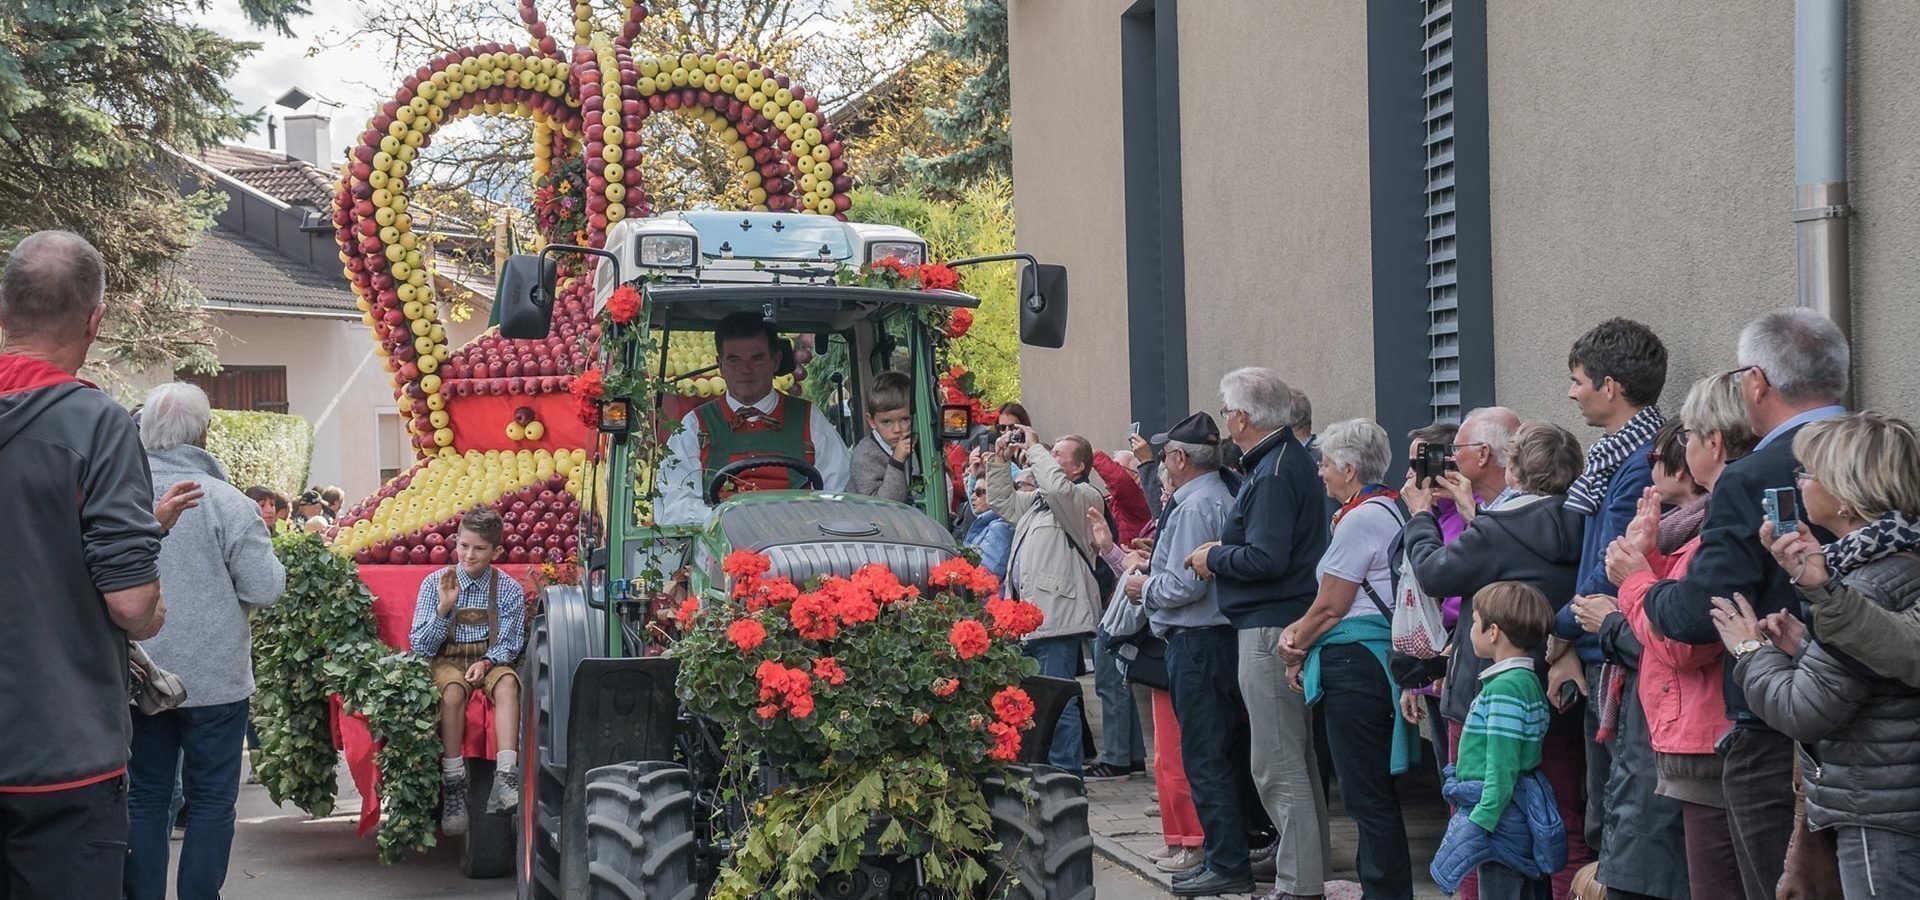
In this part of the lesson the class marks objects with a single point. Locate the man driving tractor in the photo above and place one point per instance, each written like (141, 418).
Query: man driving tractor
(750, 419)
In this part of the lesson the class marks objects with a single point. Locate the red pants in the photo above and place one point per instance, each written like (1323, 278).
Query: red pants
(1179, 821)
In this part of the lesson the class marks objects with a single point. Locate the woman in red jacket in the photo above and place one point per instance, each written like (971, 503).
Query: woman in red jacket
(1680, 684)
(1125, 500)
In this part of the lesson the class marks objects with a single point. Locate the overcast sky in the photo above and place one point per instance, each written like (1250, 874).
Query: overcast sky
(354, 76)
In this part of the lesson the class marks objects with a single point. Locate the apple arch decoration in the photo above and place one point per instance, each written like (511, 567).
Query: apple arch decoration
(459, 403)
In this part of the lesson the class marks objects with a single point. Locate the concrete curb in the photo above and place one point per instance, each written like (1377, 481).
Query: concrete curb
(1131, 861)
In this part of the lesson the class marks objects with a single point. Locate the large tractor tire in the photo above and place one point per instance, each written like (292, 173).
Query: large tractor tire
(640, 833)
(487, 849)
(1046, 850)
(548, 799)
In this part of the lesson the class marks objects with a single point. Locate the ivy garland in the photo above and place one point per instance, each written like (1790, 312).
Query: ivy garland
(317, 641)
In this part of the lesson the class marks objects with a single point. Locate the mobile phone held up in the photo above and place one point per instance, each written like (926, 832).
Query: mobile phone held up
(1783, 509)
(1430, 461)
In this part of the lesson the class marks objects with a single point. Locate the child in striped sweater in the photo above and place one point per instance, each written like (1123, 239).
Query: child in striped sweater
(1511, 827)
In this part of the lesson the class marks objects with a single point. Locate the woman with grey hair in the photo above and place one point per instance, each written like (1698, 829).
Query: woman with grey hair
(1337, 653)
(214, 563)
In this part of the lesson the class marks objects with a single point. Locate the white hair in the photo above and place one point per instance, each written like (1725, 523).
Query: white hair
(1259, 392)
(1803, 354)
(1205, 457)
(1493, 426)
(175, 413)
(1357, 444)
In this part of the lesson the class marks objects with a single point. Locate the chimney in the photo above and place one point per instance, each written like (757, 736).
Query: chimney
(309, 137)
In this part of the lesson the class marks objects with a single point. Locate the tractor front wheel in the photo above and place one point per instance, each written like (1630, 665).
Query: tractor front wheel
(640, 833)
(1046, 850)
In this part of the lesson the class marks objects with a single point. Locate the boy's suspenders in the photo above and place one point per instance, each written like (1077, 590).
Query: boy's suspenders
(493, 607)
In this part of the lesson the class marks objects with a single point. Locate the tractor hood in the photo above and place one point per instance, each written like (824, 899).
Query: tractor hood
(814, 535)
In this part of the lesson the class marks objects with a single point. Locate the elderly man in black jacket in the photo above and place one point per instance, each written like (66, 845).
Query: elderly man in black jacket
(1264, 566)
(1793, 371)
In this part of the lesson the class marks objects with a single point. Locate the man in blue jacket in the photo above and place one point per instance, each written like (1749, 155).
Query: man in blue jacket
(1616, 372)
(1263, 568)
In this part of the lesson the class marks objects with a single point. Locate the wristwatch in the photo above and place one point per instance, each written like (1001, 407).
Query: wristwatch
(1742, 649)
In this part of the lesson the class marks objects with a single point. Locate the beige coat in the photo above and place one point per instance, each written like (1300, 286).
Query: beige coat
(1052, 549)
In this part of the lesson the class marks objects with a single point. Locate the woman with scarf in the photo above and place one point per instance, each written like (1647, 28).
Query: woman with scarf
(1673, 703)
(1337, 653)
(1859, 730)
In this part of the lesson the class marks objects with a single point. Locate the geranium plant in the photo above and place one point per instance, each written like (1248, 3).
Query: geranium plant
(881, 702)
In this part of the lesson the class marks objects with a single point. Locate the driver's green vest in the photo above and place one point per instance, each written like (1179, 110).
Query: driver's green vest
(728, 436)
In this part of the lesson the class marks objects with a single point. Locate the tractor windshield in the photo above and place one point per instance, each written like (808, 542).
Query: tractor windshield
(791, 238)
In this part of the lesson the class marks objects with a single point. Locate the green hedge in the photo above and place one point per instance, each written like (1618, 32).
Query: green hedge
(272, 449)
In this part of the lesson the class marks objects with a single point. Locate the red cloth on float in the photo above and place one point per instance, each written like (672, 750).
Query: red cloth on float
(396, 589)
(480, 422)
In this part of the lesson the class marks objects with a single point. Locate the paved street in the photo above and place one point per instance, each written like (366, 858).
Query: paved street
(282, 855)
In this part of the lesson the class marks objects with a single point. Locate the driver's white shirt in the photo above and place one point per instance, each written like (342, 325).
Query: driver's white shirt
(683, 490)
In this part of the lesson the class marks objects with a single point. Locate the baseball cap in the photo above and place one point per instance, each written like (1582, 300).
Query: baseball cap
(1198, 428)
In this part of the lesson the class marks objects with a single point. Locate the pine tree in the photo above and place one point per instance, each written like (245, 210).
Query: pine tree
(979, 123)
(92, 94)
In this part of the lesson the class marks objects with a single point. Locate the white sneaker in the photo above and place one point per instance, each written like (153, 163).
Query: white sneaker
(1165, 853)
(1187, 858)
(506, 790)
(453, 805)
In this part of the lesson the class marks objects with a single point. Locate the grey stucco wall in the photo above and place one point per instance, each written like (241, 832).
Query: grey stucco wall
(1885, 186)
(1273, 110)
(1641, 166)
(1069, 207)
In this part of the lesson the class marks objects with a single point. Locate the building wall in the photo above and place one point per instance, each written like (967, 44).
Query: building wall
(1652, 177)
(1885, 189)
(1273, 113)
(1070, 207)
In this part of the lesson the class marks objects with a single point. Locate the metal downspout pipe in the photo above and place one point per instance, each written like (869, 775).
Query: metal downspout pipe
(1820, 158)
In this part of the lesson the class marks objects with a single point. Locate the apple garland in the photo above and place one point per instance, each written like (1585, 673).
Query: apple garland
(588, 104)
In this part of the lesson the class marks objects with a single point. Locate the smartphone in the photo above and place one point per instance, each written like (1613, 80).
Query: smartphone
(1432, 461)
(1783, 509)
(1133, 428)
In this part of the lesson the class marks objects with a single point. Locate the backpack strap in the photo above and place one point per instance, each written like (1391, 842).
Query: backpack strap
(1366, 584)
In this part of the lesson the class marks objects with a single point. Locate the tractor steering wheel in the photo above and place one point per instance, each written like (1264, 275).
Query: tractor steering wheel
(731, 472)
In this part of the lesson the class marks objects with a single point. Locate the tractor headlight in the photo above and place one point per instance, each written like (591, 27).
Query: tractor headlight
(666, 251)
(907, 253)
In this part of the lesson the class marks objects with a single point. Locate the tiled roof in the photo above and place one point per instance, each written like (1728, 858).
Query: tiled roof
(236, 273)
(288, 180)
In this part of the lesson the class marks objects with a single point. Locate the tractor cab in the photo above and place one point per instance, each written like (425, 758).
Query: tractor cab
(598, 691)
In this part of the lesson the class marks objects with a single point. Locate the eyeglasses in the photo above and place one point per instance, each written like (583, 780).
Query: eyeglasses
(1004, 429)
(1226, 411)
(1456, 448)
(1736, 373)
(1802, 476)
(1685, 435)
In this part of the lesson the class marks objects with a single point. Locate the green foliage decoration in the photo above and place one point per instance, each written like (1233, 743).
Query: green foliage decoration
(264, 448)
(317, 641)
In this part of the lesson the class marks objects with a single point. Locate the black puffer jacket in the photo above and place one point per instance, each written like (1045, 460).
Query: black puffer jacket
(1859, 731)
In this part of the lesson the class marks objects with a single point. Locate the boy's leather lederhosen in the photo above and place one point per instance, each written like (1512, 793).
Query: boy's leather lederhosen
(450, 665)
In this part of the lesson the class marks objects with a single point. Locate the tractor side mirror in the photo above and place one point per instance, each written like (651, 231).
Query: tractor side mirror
(524, 297)
(1043, 306)
(955, 422)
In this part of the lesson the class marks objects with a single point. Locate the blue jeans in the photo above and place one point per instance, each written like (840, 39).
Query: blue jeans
(1060, 657)
(204, 742)
(1122, 744)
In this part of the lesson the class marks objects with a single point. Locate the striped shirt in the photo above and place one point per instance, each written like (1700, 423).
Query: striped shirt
(1502, 736)
(431, 630)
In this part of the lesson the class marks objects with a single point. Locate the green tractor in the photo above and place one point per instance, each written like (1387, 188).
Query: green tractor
(621, 793)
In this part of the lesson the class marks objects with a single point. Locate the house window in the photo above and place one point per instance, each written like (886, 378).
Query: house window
(391, 436)
(257, 388)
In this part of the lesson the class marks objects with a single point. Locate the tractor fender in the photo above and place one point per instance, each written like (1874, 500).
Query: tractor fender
(575, 632)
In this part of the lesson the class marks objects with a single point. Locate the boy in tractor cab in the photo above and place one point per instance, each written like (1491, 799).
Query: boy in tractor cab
(470, 623)
(751, 419)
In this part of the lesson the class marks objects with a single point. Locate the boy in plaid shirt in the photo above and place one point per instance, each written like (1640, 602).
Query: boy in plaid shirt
(470, 621)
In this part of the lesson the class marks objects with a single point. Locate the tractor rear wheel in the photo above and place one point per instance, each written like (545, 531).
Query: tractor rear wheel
(640, 833)
(1046, 850)
(544, 800)
(487, 849)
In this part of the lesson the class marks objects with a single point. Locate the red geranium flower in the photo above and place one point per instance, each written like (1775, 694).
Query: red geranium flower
(687, 611)
(853, 605)
(944, 687)
(1013, 706)
(767, 710)
(587, 389)
(936, 277)
(762, 593)
(747, 634)
(624, 304)
(746, 562)
(790, 687)
(952, 573)
(969, 638)
(813, 617)
(1014, 618)
(959, 323)
(827, 669)
(880, 583)
(1006, 742)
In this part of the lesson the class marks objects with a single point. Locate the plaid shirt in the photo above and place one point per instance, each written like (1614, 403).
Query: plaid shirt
(430, 629)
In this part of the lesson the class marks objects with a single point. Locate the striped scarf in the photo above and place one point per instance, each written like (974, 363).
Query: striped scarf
(1606, 455)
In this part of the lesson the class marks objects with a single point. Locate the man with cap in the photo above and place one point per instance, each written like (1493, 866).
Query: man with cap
(1202, 655)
